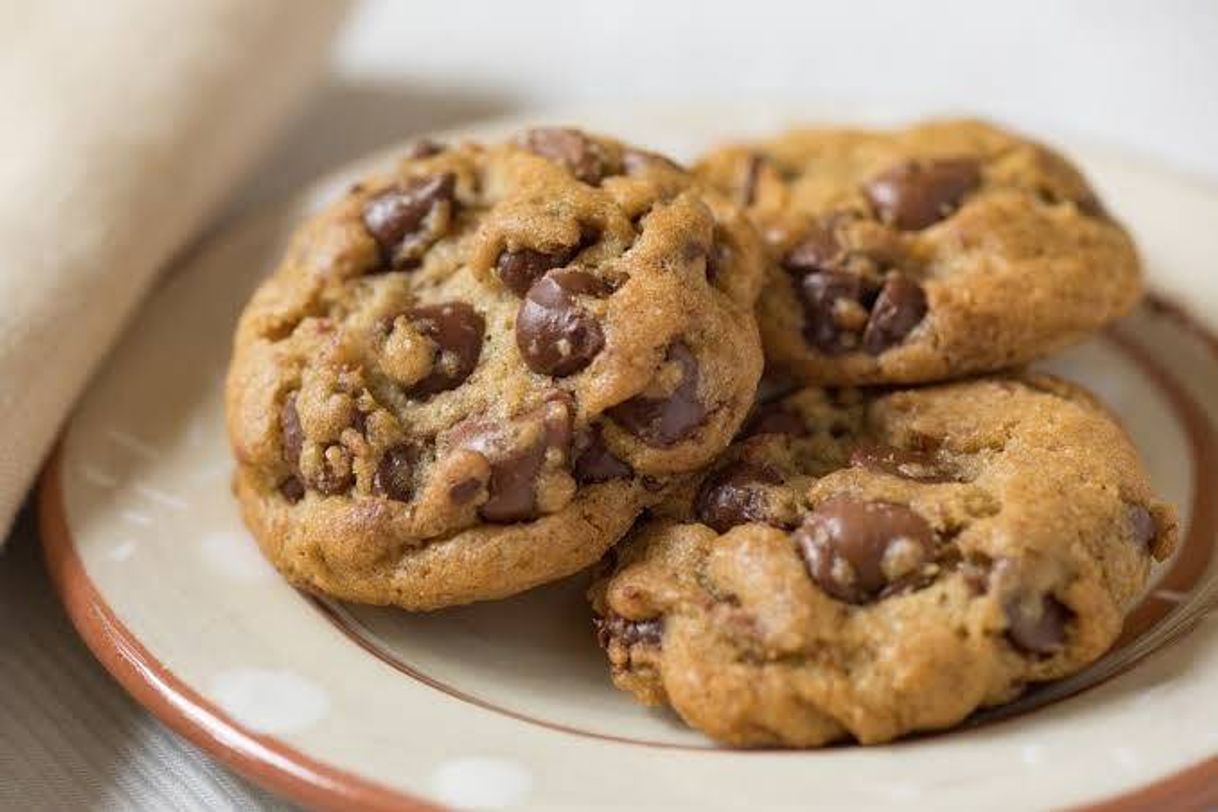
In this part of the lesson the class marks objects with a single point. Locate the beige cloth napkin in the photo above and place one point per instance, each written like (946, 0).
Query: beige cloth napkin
(125, 122)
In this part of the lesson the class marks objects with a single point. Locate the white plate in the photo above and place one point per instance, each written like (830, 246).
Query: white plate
(509, 704)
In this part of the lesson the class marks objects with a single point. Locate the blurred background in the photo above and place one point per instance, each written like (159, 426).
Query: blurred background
(1134, 73)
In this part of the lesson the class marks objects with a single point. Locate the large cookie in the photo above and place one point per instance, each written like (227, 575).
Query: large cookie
(924, 254)
(868, 565)
(468, 376)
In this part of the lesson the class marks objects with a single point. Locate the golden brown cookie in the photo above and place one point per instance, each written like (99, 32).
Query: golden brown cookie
(924, 254)
(468, 376)
(869, 565)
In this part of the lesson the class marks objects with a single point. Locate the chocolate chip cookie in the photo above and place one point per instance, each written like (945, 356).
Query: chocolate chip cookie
(468, 376)
(924, 254)
(866, 565)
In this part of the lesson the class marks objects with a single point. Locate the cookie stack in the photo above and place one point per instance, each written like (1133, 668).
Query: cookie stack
(497, 365)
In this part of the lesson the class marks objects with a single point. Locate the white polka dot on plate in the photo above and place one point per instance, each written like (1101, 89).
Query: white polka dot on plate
(122, 551)
(1033, 755)
(234, 554)
(481, 782)
(269, 701)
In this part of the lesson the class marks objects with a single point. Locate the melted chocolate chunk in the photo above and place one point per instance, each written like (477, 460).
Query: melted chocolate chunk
(663, 422)
(554, 334)
(456, 330)
(1144, 526)
(335, 476)
(1037, 624)
(465, 490)
(917, 194)
(518, 270)
(856, 549)
(752, 174)
(921, 466)
(818, 251)
(736, 495)
(835, 307)
(396, 218)
(517, 452)
(291, 431)
(594, 462)
(898, 309)
(395, 474)
(571, 148)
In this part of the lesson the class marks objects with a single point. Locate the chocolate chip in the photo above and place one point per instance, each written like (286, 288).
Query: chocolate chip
(898, 309)
(572, 149)
(292, 489)
(456, 329)
(518, 270)
(594, 462)
(628, 632)
(835, 309)
(335, 476)
(736, 495)
(424, 148)
(291, 431)
(752, 174)
(662, 422)
(1142, 521)
(1037, 623)
(554, 334)
(917, 194)
(636, 161)
(856, 549)
(818, 251)
(396, 218)
(775, 419)
(517, 452)
(921, 466)
(395, 474)
(465, 490)
(359, 422)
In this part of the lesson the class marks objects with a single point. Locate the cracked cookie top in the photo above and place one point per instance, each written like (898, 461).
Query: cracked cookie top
(922, 254)
(868, 565)
(482, 350)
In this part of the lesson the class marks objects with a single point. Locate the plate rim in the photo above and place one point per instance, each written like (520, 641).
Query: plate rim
(265, 760)
(275, 765)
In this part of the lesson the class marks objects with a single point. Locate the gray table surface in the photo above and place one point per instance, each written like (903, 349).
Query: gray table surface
(69, 737)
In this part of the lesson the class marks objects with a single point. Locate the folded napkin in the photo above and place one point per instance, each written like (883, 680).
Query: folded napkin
(125, 123)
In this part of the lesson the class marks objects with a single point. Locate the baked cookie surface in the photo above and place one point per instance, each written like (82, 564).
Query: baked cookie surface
(924, 254)
(868, 565)
(469, 375)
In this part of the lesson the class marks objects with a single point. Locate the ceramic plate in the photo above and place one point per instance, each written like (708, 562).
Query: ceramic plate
(509, 704)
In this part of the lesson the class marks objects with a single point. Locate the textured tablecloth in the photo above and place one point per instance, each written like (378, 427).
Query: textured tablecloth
(70, 739)
(126, 123)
